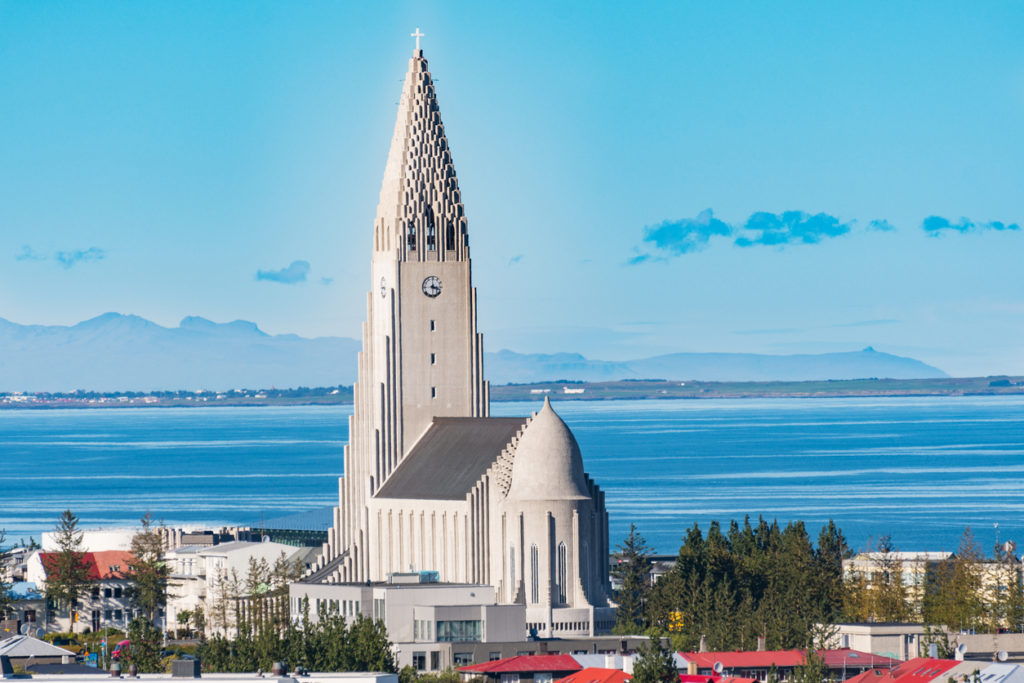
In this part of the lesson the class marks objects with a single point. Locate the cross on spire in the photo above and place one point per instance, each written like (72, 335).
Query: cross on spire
(417, 35)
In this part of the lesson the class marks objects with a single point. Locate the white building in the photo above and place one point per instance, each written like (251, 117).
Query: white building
(432, 483)
(420, 616)
(200, 575)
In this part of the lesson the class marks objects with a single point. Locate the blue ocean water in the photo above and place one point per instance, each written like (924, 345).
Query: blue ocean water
(918, 469)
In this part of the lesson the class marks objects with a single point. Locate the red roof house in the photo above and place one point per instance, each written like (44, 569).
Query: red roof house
(525, 668)
(595, 675)
(756, 663)
(919, 670)
(103, 565)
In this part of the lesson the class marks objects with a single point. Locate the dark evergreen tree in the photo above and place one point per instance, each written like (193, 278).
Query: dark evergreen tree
(145, 648)
(631, 568)
(5, 586)
(654, 664)
(67, 573)
(148, 571)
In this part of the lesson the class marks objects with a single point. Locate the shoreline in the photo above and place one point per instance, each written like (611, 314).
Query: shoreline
(640, 390)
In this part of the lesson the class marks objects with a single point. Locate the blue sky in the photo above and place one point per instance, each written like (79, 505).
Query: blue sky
(639, 178)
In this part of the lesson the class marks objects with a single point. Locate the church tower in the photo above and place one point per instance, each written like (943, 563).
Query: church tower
(432, 483)
(422, 355)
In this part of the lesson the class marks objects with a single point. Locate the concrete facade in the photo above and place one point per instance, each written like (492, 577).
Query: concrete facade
(431, 482)
(422, 620)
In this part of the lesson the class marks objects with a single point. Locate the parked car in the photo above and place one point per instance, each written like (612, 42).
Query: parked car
(121, 650)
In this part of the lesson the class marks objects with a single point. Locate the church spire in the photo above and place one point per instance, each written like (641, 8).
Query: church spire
(420, 216)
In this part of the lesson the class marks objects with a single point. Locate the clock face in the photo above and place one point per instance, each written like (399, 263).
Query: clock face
(432, 286)
(383, 287)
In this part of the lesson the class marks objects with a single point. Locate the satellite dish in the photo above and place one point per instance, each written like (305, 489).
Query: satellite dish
(959, 652)
(717, 668)
(1002, 655)
(25, 628)
(40, 633)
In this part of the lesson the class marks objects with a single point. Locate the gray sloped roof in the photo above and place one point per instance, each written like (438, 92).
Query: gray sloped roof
(450, 457)
(25, 646)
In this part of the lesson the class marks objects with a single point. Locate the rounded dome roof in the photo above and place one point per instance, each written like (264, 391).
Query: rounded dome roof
(547, 464)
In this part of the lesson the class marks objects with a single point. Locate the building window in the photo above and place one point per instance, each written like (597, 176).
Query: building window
(468, 631)
(512, 572)
(108, 614)
(433, 392)
(535, 575)
(431, 239)
(410, 236)
(509, 678)
(494, 656)
(95, 591)
(542, 677)
(118, 615)
(419, 660)
(431, 325)
(450, 236)
(435, 661)
(378, 608)
(433, 359)
(561, 575)
(465, 659)
(117, 592)
(107, 592)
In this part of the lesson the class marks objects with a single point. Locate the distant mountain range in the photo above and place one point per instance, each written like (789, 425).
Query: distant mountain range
(115, 352)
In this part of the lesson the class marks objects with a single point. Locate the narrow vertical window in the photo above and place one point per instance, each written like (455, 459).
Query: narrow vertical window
(535, 575)
(433, 359)
(561, 573)
(431, 238)
(433, 392)
(450, 236)
(512, 571)
(431, 325)
(410, 236)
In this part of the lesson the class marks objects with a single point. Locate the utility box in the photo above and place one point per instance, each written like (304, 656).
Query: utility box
(185, 668)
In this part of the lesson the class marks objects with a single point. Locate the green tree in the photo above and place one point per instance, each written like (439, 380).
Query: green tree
(654, 664)
(829, 555)
(5, 587)
(183, 618)
(148, 570)
(370, 648)
(67, 572)
(889, 599)
(954, 589)
(631, 568)
(145, 648)
(812, 670)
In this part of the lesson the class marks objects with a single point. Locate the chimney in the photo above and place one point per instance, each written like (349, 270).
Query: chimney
(703, 644)
(691, 667)
(762, 643)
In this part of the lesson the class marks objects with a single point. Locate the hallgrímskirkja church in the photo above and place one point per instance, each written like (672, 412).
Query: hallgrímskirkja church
(432, 483)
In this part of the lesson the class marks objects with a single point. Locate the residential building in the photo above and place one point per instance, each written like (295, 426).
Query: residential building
(211, 577)
(840, 663)
(104, 601)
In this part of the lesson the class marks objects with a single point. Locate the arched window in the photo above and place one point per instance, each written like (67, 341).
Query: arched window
(561, 573)
(449, 238)
(534, 575)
